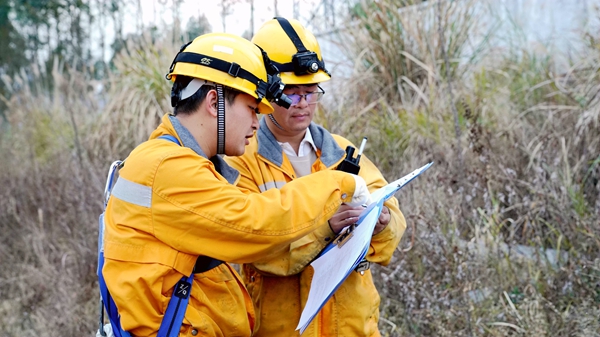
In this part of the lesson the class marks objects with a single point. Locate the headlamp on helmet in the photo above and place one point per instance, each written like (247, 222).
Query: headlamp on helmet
(273, 88)
(274, 92)
(305, 63)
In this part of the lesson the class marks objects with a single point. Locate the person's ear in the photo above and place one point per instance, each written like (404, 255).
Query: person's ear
(210, 102)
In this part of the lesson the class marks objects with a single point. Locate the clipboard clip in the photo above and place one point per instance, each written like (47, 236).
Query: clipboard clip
(344, 236)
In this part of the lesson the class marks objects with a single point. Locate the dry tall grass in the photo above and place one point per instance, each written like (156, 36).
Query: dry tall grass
(48, 201)
(474, 259)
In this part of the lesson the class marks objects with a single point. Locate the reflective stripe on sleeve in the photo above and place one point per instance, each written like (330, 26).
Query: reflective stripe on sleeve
(133, 193)
(271, 184)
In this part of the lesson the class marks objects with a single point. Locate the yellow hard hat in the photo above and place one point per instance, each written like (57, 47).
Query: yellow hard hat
(228, 60)
(293, 50)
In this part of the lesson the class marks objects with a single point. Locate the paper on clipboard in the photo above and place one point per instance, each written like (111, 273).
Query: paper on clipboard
(336, 262)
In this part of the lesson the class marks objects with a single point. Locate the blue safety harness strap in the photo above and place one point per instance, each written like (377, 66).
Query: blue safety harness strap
(171, 323)
(170, 138)
(107, 300)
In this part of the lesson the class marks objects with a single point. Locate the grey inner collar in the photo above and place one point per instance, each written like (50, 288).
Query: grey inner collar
(268, 147)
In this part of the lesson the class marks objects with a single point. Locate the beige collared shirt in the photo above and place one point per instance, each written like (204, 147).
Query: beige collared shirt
(306, 156)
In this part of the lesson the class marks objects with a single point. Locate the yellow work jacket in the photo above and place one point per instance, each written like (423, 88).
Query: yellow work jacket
(171, 204)
(279, 285)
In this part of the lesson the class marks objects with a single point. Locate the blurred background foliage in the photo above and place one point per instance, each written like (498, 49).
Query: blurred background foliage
(503, 232)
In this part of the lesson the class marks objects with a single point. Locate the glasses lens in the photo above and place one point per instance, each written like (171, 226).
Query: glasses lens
(311, 98)
(295, 98)
(314, 97)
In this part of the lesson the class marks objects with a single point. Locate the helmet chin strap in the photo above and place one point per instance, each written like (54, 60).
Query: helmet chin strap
(220, 120)
(275, 122)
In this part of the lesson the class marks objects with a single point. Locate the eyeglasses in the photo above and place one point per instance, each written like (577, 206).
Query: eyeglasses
(311, 97)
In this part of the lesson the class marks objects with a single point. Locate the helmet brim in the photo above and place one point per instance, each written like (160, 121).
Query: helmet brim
(291, 78)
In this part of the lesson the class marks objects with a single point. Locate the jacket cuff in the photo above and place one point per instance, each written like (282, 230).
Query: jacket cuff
(324, 234)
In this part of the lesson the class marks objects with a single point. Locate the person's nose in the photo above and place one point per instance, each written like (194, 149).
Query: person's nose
(254, 122)
(303, 102)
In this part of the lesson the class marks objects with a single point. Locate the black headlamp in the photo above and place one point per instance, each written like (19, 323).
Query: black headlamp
(304, 62)
(273, 88)
(275, 92)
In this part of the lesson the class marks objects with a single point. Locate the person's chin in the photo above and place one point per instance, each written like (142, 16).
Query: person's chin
(300, 126)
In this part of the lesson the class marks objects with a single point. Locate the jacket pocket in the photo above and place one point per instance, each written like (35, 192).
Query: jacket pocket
(219, 305)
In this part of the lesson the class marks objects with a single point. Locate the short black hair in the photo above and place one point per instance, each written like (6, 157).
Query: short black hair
(190, 105)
